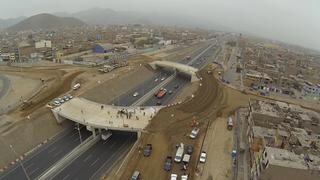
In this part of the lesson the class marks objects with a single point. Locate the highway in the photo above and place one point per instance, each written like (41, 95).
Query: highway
(98, 155)
(44, 157)
(101, 156)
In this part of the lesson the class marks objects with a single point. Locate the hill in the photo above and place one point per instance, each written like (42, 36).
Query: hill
(4, 23)
(45, 21)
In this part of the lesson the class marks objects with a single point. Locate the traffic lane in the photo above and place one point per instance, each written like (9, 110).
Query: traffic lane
(46, 156)
(180, 81)
(127, 98)
(98, 156)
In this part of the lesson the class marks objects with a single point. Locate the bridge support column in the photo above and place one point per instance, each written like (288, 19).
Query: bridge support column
(58, 118)
(94, 132)
(139, 134)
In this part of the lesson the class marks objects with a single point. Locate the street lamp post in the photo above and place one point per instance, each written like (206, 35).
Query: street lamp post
(24, 170)
(79, 133)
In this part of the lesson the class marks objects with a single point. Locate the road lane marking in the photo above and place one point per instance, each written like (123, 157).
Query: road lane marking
(88, 157)
(94, 162)
(52, 149)
(56, 154)
(66, 177)
(33, 171)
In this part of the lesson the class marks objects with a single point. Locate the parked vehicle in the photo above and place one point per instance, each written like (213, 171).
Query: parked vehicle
(203, 157)
(76, 86)
(56, 103)
(163, 78)
(173, 177)
(147, 150)
(170, 92)
(189, 149)
(186, 158)
(179, 153)
(230, 123)
(194, 133)
(136, 175)
(168, 163)
(184, 177)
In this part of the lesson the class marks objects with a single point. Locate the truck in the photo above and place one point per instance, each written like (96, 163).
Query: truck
(179, 153)
(229, 123)
(161, 93)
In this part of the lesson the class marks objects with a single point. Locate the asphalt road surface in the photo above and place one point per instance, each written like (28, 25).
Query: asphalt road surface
(39, 161)
(5, 82)
(99, 157)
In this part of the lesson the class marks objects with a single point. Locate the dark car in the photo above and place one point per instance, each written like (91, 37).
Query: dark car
(168, 163)
(147, 150)
(189, 149)
(159, 103)
(176, 86)
(170, 92)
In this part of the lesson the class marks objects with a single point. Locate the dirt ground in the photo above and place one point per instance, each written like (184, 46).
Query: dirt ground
(212, 104)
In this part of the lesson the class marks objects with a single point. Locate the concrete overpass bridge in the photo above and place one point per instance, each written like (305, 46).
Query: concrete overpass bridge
(178, 67)
(102, 116)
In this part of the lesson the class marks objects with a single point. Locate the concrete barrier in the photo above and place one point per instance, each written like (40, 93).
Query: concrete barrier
(69, 158)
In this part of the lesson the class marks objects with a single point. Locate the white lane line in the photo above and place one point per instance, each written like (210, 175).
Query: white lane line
(94, 162)
(27, 167)
(33, 171)
(88, 157)
(56, 154)
(66, 177)
(52, 149)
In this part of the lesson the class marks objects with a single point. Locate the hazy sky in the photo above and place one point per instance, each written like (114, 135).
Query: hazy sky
(295, 21)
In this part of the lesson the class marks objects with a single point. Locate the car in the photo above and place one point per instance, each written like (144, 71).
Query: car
(69, 96)
(184, 177)
(170, 92)
(203, 157)
(56, 103)
(135, 94)
(147, 150)
(159, 103)
(66, 98)
(176, 86)
(168, 163)
(156, 80)
(173, 177)
(136, 175)
(194, 133)
(189, 149)
(163, 78)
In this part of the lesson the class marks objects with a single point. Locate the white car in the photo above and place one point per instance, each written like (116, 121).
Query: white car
(135, 94)
(174, 177)
(156, 80)
(203, 157)
(184, 177)
(162, 79)
(194, 133)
